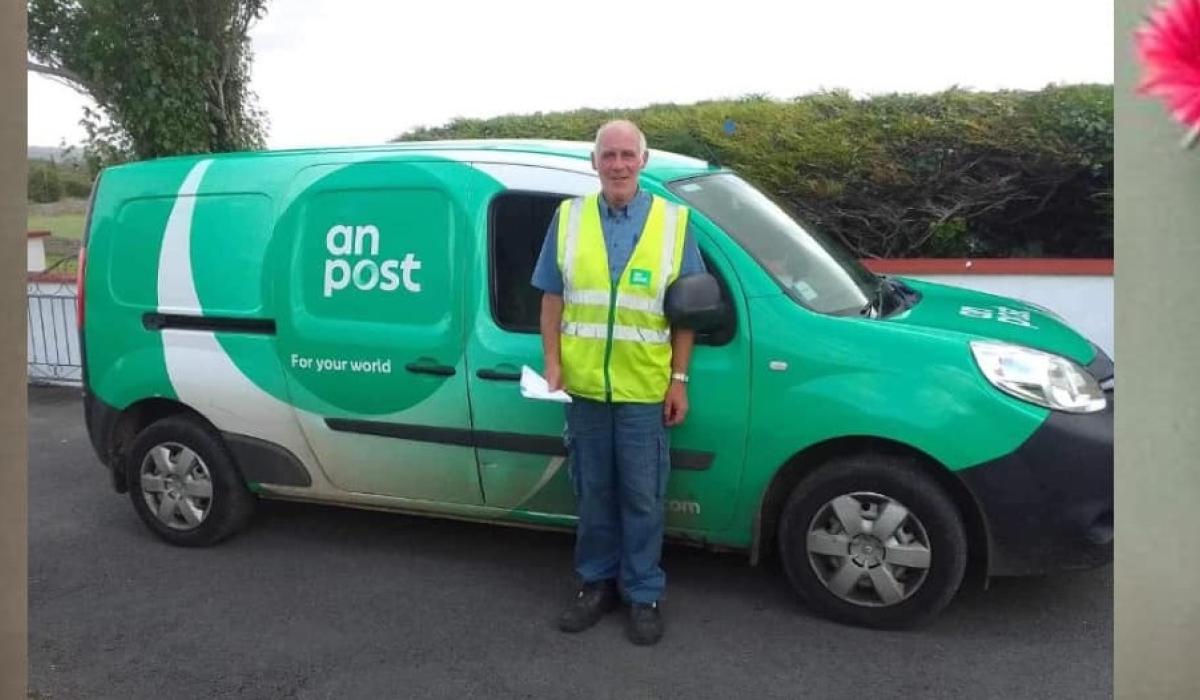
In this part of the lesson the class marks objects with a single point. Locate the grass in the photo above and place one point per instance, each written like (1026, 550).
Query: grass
(64, 221)
(63, 226)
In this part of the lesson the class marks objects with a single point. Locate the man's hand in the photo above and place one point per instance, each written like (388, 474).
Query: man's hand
(554, 375)
(675, 406)
(549, 322)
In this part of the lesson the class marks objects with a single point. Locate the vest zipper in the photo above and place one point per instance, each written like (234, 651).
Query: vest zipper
(608, 341)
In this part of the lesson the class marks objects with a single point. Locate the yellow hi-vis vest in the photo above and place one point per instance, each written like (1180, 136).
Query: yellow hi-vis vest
(616, 343)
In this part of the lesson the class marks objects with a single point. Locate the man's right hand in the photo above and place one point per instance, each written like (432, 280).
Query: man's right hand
(553, 375)
(550, 322)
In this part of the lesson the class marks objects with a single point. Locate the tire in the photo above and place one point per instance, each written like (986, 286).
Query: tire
(190, 502)
(850, 575)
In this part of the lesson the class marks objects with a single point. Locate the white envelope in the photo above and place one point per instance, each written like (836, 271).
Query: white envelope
(534, 386)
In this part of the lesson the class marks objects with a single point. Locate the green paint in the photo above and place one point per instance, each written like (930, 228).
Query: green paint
(229, 274)
(947, 308)
(125, 361)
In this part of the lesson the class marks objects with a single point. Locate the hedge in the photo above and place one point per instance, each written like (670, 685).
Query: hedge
(952, 174)
(49, 181)
(43, 184)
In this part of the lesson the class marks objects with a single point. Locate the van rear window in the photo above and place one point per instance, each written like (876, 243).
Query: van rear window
(228, 234)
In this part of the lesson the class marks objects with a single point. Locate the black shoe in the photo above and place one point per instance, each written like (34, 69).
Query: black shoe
(645, 624)
(590, 603)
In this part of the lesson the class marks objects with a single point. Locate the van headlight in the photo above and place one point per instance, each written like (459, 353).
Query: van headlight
(1039, 377)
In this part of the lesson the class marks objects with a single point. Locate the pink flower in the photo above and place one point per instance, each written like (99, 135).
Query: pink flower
(1168, 46)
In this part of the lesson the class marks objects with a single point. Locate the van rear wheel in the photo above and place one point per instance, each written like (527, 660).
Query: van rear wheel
(871, 540)
(184, 484)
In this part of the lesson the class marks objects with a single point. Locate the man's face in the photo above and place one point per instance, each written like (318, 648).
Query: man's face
(618, 160)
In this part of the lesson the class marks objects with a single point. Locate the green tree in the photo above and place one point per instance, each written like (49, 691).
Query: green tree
(168, 76)
(44, 184)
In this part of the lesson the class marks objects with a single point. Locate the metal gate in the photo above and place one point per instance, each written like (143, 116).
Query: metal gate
(53, 335)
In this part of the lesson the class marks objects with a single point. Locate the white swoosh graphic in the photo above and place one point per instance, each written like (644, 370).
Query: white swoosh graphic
(200, 371)
(552, 468)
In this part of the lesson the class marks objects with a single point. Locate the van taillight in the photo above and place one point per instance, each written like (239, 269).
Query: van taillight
(79, 286)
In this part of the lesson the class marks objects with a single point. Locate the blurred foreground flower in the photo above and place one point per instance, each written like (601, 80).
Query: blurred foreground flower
(1168, 46)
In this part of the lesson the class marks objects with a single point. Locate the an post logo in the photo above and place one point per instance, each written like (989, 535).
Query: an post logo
(362, 243)
(1003, 314)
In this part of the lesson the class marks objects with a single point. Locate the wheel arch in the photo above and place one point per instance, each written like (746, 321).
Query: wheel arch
(808, 460)
(131, 421)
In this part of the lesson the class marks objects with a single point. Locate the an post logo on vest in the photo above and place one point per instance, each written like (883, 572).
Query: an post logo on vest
(639, 277)
(353, 253)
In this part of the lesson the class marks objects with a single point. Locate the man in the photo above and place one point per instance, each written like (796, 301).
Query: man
(626, 371)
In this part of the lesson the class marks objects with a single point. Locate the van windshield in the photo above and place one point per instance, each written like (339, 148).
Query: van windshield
(813, 268)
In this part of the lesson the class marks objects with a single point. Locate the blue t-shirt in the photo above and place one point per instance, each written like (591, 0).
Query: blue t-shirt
(622, 228)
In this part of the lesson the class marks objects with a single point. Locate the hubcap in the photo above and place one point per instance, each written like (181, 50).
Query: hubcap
(176, 485)
(868, 549)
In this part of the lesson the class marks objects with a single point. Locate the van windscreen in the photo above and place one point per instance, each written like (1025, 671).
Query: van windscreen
(814, 269)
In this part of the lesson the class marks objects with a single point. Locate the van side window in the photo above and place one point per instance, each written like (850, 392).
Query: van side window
(517, 227)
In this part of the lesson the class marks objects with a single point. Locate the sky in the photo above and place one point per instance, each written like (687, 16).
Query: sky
(349, 72)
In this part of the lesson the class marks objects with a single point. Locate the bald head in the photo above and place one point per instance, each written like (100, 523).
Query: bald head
(618, 157)
(624, 127)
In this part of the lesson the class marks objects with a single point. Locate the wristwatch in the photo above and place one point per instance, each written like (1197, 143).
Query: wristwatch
(679, 377)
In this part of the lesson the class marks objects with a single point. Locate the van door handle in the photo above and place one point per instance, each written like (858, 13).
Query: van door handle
(425, 367)
(498, 375)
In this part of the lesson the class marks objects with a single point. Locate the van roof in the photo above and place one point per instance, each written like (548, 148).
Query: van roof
(566, 155)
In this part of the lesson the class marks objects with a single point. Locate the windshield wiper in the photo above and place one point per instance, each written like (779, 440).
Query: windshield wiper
(878, 298)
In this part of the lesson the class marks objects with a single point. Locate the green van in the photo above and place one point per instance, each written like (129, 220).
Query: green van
(349, 326)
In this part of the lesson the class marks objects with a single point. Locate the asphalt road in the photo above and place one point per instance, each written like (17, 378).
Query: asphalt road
(317, 602)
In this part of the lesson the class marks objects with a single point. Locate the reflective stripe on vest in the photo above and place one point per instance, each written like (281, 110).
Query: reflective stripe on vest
(670, 218)
(624, 301)
(600, 331)
(574, 214)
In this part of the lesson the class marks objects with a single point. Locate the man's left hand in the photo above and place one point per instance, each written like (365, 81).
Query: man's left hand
(675, 406)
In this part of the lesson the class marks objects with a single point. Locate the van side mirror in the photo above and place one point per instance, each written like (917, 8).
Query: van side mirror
(695, 302)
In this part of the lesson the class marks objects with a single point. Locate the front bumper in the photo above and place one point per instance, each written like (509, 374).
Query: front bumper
(1048, 506)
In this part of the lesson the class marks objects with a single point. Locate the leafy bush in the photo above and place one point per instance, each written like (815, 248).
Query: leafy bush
(76, 183)
(953, 174)
(50, 181)
(44, 183)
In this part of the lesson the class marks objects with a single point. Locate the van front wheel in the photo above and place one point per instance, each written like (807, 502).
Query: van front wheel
(184, 485)
(871, 540)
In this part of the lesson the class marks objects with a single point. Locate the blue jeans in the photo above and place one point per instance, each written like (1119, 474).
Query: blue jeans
(619, 463)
